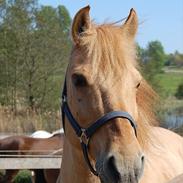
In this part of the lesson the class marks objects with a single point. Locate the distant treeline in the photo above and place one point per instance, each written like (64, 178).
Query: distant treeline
(34, 51)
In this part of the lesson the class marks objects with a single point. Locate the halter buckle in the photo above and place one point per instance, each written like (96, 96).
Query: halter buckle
(83, 137)
(64, 99)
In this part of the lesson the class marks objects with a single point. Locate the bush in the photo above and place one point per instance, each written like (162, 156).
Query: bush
(179, 92)
(23, 176)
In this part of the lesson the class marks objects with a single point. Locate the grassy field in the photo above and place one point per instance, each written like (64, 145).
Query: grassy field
(169, 81)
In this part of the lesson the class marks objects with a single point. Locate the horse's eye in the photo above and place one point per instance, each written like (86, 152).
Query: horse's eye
(79, 80)
(138, 85)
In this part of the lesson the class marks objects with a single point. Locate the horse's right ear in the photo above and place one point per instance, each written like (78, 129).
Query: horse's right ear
(131, 24)
(80, 24)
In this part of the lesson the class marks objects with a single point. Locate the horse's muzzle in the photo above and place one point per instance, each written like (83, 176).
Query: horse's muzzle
(111, 169)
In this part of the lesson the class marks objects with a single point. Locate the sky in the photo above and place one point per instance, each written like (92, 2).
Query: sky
(159, 19)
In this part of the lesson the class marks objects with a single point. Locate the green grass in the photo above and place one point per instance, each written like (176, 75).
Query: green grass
(169, 81)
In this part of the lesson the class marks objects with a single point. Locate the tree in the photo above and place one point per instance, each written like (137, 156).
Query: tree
(152, 59)
(48, 57)
(34, 49)
(155, 58)
(178, 59)
(175, 59)
(15, 25)
(64, 18)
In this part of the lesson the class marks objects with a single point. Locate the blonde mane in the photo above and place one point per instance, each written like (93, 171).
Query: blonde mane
(111, 52)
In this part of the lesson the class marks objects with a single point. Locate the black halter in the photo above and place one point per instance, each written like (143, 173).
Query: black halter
(84, 134)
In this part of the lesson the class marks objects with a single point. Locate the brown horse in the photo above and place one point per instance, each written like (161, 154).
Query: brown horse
(103, 76)
(24, 145)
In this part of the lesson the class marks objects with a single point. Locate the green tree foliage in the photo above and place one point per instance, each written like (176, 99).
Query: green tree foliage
(50, 48)
(155, 59)
(34, 50)
(65, 20)
(14, 28)
(152, 60)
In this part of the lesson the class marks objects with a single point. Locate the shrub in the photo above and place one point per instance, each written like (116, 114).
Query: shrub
(23, 176)
(179, 92)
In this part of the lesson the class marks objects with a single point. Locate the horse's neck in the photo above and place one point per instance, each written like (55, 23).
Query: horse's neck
(74, 167)
(164, 156)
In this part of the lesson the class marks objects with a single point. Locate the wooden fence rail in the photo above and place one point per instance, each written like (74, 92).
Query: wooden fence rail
(30, 162)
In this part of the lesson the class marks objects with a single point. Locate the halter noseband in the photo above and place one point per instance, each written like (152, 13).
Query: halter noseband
(84, 134)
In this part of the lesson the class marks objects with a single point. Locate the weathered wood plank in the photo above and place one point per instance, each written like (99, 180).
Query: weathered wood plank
(30, 163)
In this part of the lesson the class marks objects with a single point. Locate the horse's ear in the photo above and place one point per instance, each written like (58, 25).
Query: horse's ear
(81, 23)
(131, 24)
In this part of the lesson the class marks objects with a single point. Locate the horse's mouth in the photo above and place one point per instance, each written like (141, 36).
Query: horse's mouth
(111, 170)
(108, 176)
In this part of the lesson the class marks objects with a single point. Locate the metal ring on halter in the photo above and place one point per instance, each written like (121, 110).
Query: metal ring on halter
(83, 137)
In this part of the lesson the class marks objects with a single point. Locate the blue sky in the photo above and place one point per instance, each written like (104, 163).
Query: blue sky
(162, 19)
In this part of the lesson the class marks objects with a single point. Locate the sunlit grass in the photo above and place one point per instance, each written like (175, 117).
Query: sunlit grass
(169, 81)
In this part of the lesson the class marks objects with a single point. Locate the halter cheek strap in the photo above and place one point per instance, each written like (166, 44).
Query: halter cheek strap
(85, 134)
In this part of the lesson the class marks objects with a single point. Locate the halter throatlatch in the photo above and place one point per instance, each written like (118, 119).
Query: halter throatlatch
(84, 134)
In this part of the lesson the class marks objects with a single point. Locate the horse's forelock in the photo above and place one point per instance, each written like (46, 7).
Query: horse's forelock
(108, 47)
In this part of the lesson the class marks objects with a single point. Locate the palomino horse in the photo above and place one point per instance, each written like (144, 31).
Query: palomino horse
(24, 145)
(105, 94)
(178, 179)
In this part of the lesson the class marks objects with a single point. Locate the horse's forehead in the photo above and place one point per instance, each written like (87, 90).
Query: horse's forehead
(103, 56)
(97, 68)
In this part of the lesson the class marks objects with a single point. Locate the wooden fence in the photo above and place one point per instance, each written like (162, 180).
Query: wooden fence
(44, 161)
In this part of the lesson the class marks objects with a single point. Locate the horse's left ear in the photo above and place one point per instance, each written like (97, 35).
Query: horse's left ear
(81, 23)
(131, 24)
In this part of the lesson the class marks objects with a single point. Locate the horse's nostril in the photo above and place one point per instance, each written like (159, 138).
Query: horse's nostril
(140, 167)
(111, 169)
(142, 160)
(111, 162)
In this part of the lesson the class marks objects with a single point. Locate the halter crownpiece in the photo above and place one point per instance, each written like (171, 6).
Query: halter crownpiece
(85, 134)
